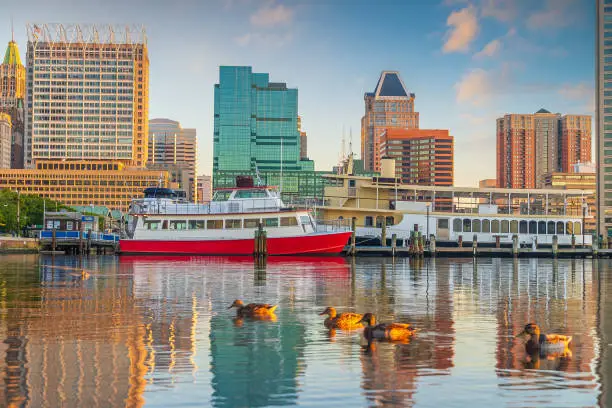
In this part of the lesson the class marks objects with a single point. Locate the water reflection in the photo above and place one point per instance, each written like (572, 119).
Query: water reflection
(106, 331)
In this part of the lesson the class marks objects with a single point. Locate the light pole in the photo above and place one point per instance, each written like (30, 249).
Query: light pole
(18, 211)
(427, 238)
(584, 208)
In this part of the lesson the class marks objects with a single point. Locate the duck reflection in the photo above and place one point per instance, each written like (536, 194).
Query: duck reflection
(539, 360)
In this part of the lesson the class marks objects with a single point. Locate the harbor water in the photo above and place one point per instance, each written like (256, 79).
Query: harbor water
(111, 331)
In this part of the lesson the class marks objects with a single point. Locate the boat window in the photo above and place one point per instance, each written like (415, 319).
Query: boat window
(270, 222)
(251, 194)
(533, 227)
(560, 228)
(476, 226)
(233, 224)
(390, 220)
(197, 224)
(495, 226)
(577, 228)
(379, 221)
(165, 224)
(542, 227)
(569, 228)
(523, 227)
(467, 225)
(457, 225)
(443, 223)
(551, 228)
(152, 225)
(504, 226)
(251, 222)
(222, 195)
(486, 226)
(368, 221)
(214, 224)
(288, 221)
(514, 227)
(304, 219)
(178, 224)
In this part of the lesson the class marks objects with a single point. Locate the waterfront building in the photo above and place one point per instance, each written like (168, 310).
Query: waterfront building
(174, 148)
(389, 106)
(255, 124)
(12, 94)
(575, 141)
(204, 189)
(87, 94)
(532, 145)
(5, 140)
(603, 118)
(82, 183)
(577, 181)
(422, 156)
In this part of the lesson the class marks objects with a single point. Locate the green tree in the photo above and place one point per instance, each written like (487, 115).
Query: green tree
(30, 209)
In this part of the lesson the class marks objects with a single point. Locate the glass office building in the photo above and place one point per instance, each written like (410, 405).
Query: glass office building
(255, 126)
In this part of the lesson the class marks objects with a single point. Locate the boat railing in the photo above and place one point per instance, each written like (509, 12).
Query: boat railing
(333, 225)
(170, 207)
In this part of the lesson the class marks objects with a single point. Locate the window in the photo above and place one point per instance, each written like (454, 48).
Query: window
(443, 223)
(495, 226)
(251, 194)
(389, 220)
(165, 224)
(550, 228)
(305, 220)
(251, 222)
(457, 225)
(542, 227)
(504, 227)
(486, 226)
(560, 228)
(214, 224)
(476, 226)
(233, 224)
(368, 221)
(270, 222)
(195, 224)
(69, 225)
(569, 228)
(288, 221)
(514, 227)
(533, 227)
(577, 229)
(467, 225)
(151, 225)
(178, 224)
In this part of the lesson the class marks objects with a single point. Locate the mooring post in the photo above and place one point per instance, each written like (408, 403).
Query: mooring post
(604, 242)
(497, 241)
(353, 235)
(53, 239)
(573, 241)
(89, 242)
(555, 246)
(432, 245)
(595, 247)
(475, 245)
(383, 234)
(420, 240)
(393, 244)
(460, 241)
(515, 245)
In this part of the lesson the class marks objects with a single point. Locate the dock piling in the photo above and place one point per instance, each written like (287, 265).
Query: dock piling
(475, 245)
(353, 235)
(555, 246)
(393, 244)
(383, 233)
(515, 245)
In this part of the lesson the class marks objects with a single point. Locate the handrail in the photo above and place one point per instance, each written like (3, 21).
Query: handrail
(75, 235)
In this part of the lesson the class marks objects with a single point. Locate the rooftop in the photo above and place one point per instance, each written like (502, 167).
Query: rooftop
(391, 85)
(11, 57)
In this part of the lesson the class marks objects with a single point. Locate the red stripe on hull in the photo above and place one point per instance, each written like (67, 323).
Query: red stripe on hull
(332, 243)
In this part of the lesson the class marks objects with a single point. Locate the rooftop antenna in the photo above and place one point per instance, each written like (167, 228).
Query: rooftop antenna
(351, 142)
(12, 30)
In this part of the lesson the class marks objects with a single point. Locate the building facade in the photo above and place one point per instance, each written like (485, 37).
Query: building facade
(83, 183)
(12, 95)
(204, 189)
(174, 148)
(603, 119)
(5, 140)
(575, 141)
(303, 141)
(255, 124)
(422, 156)
(389, 106)
(87, 94)
(529, 146)
(576, 181)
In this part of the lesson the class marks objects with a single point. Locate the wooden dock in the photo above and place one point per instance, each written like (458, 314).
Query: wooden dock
(479, 252)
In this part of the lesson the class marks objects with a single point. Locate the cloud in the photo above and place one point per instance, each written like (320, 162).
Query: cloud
(478, 85)
(463, 30)
(489, 50)
(582, 93)
(272, 16)
(276, 40)
(501, 10)
(555, 14)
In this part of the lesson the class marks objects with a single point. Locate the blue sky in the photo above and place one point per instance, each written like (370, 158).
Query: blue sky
(467, 61)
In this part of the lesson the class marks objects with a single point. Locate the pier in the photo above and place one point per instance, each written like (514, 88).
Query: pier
(78, 242)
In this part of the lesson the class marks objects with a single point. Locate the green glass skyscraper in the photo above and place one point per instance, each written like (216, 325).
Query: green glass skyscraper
(255, 123)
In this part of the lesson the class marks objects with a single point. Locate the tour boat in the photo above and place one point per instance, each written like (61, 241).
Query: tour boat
(164, 223)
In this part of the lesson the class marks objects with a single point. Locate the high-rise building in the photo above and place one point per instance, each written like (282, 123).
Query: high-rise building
(575, 141)
(12, 94)
(87, 94)
(204, 189)
(174, 148)
(389, 106)
(5, 140)
(530, 146)
(303, 141)
(422, 156)
(603, 118)
(255, 126)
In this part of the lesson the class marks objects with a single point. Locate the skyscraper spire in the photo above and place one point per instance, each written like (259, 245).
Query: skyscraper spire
(12, 30)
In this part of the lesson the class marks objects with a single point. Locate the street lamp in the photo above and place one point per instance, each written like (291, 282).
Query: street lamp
(18, 211)
(584, 208)
(427, 205)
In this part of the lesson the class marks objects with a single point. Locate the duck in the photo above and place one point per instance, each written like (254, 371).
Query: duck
(386, 331)
(253, 309)
(342, 321)
(545, 343)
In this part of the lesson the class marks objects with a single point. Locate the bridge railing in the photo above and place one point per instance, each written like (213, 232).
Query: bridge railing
(75, 235)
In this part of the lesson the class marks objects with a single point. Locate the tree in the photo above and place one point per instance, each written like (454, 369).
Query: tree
(31, 209)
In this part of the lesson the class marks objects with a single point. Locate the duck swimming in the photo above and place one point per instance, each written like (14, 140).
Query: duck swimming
(342, 321)
(545, 343)
(253, 309)
(386, 331)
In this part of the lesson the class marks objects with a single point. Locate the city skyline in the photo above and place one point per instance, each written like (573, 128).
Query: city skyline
(461, 59)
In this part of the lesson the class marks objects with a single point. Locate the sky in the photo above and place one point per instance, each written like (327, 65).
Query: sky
(467, 61)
